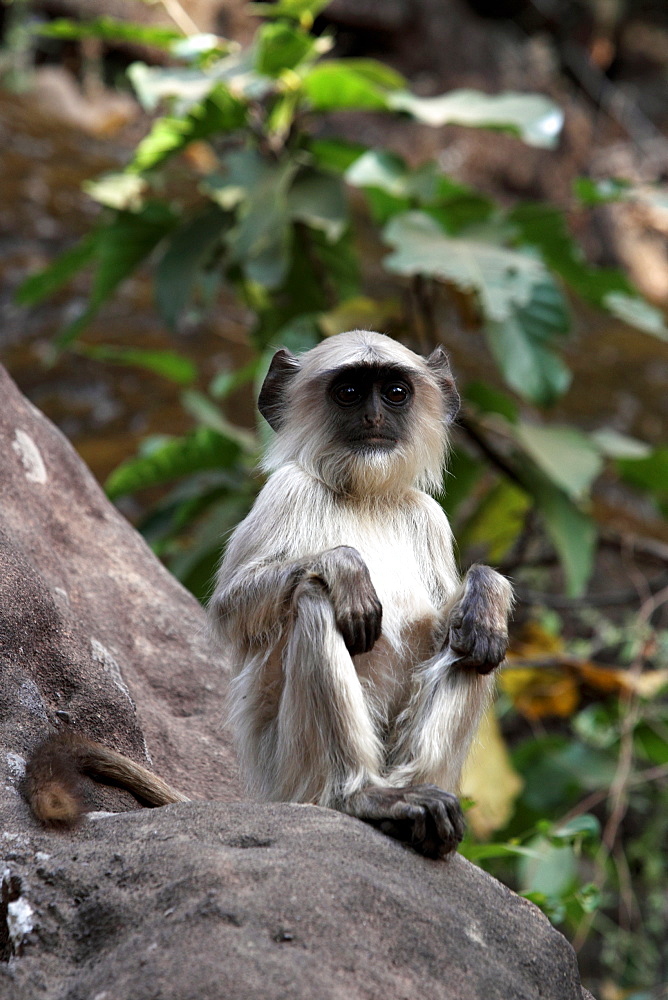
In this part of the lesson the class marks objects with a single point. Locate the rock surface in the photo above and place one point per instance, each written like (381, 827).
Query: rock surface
(207, 899)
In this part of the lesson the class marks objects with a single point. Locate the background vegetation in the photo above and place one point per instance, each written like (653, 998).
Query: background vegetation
(276, 206)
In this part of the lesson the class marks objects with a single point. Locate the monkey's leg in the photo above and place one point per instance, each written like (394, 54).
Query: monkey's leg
(326, 747)
(433, 734)
(430, 742)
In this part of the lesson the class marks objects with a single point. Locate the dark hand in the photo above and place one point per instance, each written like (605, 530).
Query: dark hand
(358, 612)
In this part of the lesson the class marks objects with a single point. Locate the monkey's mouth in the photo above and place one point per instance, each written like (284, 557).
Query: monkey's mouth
(373, 441)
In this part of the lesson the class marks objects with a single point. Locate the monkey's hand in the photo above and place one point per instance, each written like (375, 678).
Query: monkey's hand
(478, 624)
(423, 816)
(357, 610)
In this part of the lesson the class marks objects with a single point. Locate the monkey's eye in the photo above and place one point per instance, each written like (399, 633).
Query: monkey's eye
(396, 393)
(346, 394)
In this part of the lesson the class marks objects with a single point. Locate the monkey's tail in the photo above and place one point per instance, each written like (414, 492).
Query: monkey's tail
(53, 786)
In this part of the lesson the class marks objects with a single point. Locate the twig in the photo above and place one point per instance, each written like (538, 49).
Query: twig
(180, 17)
(488, 450)
(613, 597)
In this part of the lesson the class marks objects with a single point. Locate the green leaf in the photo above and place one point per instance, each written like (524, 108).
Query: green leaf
(564, 454)
(119, 247)
(166, 363)
(489, 400)
(524, 310)
(584, 827)
(226, 382)
(188, 250)
(379, 169)
(194, 47)
(498, 520)
(319, 200)
(205, 411)
(553, 872)
(637, 312)
(615, 445)
(591, 192)
(534, 117)
(590, 899)
(544, 227)
(260, 241)
(281, 46)
(109, 30)
(335, 154)
(520, 346)
(481, 852)
(572, 532)
(118, 190)
(503, 278)
(203, 449)
(40, 286)
(650, 473)
(221, 111)
(360, 84)
(304, 11)
(153, 84)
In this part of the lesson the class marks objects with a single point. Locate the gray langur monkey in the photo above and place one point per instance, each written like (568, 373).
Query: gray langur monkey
(361, 662)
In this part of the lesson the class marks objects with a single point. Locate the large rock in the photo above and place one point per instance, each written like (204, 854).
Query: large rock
(208, 899)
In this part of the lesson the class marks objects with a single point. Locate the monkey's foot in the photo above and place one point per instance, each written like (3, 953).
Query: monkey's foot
(475, 645)
(423, 816)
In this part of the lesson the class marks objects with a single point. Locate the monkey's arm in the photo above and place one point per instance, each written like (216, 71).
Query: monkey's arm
(52, 784)
(254, 601)
(478, 619)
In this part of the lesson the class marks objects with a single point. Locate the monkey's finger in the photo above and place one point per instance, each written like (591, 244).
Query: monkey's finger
(448, 820)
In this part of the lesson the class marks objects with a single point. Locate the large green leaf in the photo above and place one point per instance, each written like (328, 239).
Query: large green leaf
(303, 11)
(319, 200)
(361, 84)
(379, 169)
(169, 364)
(649, 473)
(544, 227)
(281, 46)
(572, 532)
(335, 154)
(502, 278)
(109, 29)
(153, 84)
(258, 189)
(497, 521)
(119, 247)
(564, 454)
(637, 312)
(40, 286)
(523, 309)
(203, 449)
(528, 365)
(221, 111)
(118, 190)
(534, 117)
(393, 188)
(189, 248)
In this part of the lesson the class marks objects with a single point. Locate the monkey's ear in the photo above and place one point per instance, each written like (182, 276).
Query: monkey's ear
(440, 366)
(271, 401)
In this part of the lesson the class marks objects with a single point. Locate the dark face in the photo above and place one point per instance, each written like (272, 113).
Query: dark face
(371, 406)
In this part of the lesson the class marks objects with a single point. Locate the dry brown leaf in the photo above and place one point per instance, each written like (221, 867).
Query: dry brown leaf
(537, 692)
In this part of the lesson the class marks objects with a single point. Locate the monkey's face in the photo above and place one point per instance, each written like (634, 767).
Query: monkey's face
(361, 413)
(370, 407)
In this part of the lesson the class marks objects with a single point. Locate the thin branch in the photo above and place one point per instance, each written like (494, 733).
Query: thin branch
(495, 457)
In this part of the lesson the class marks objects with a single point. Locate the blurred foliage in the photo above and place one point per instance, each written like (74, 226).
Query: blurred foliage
(266, 212)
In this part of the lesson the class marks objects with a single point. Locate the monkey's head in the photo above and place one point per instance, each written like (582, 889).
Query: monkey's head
(361, 412)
